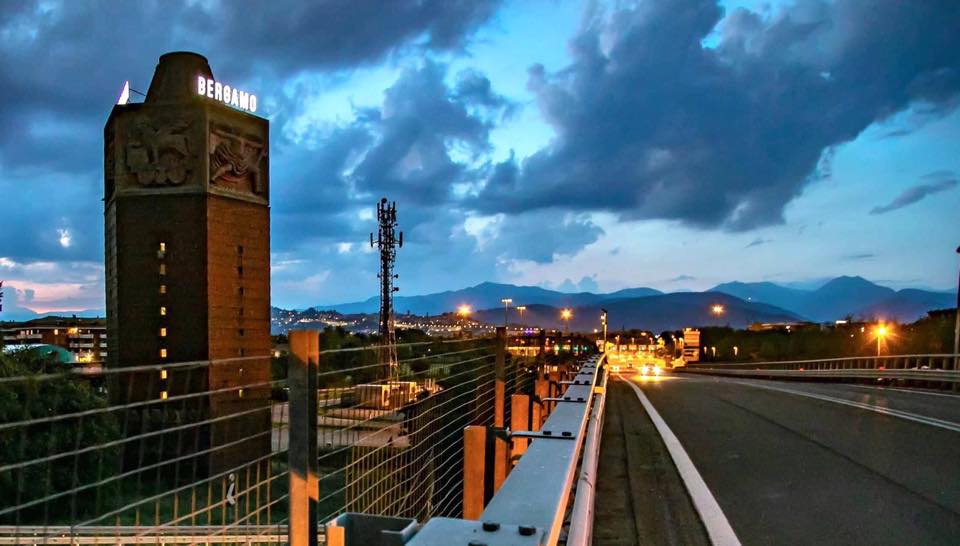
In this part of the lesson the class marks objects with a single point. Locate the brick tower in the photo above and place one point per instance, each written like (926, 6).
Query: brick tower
(187, 227)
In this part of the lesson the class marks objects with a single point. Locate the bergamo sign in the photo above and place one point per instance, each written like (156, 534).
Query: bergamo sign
(226, 94)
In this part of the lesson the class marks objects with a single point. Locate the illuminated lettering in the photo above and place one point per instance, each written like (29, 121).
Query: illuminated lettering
(228, 95)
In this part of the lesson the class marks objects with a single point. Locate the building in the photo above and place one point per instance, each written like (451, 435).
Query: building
(187, 249)
(85, 338)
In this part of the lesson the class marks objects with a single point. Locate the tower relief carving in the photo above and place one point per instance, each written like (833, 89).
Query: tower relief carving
(237, 160)
(159, 152)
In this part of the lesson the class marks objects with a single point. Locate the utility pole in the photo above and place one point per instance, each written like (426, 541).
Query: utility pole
(956, 326)
(388, 242)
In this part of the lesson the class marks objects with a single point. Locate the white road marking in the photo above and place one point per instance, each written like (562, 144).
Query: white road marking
(932, 421)
(714, 520)
(911, 391)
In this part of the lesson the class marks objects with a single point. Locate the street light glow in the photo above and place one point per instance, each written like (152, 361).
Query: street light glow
(717, 309)
(464, 310)
(566, 314)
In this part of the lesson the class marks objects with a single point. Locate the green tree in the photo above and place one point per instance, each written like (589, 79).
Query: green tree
(28, 398)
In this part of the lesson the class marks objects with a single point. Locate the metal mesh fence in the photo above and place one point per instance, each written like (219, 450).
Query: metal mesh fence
(197, 451)
(394, 446)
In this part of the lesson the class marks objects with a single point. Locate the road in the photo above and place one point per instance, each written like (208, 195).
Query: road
(804, 463)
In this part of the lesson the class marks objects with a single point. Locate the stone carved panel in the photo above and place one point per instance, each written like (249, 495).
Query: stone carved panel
(237, 160)
(159, 152)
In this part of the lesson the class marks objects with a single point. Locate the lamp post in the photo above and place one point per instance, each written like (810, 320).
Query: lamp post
(956, 326)
(520, 309)
(506, 309)
(603, 322)
(881, 332)
(565, 315)
(717, 311)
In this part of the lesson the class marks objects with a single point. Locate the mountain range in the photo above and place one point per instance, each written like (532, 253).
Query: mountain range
(652, 309)
(843, 296)
(485, 295)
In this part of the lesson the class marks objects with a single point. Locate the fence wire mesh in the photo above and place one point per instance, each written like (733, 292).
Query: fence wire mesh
(195, 452)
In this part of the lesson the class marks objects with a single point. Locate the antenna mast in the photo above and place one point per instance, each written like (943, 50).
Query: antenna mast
(388, 242)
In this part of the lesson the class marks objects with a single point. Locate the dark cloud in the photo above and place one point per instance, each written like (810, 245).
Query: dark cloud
(757, 242)
(860, 256)
(62, 65)
(425, 138)
(539, 236)
(937, 182)
(651, 124)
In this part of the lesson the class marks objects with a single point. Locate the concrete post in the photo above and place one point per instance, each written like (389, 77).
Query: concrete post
(302, 453)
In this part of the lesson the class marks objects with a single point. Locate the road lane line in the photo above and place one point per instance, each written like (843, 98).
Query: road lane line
(932, 421)
(714, 520)
(911, 391)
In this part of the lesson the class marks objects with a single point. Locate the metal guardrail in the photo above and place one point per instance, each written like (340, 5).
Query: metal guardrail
(531, 505)
(924, 367)
(144, 534)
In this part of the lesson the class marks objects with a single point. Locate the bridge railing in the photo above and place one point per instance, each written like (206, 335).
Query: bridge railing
(546, 499)
(169, 452)
(934, 368)
(215, 451)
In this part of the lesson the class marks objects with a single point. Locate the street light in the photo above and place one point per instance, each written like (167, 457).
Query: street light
(520, 309)
(956, 326)
(565, 315)
(506, 308)
(881, 332)
(717, 309)
(603, 321)
(464, 310)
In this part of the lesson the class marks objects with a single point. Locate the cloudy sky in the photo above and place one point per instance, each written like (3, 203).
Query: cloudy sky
(575, 145)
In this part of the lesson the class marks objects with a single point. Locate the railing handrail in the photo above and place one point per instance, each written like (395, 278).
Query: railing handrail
(815, 360)
(529, 498)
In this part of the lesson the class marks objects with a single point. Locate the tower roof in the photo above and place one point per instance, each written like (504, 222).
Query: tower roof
(175, 78)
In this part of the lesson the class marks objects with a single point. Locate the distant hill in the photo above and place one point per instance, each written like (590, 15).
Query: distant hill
(836, 299)
(485, 295)
(843, 296)
(654, 313)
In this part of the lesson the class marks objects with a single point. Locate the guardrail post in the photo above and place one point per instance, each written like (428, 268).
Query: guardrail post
(501, 452)
(302, 452)
(474, 470)
(520, 411)
(541, 388)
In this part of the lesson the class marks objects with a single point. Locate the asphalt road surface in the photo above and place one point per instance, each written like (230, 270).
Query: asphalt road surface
(787, 462)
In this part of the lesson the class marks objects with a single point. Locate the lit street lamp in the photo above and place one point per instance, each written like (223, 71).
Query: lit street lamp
(566, 314)
(603, 321)
(506, 309)
(881, 333)
(717, 309)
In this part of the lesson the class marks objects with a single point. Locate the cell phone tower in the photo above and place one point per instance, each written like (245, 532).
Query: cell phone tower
(388, 241)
